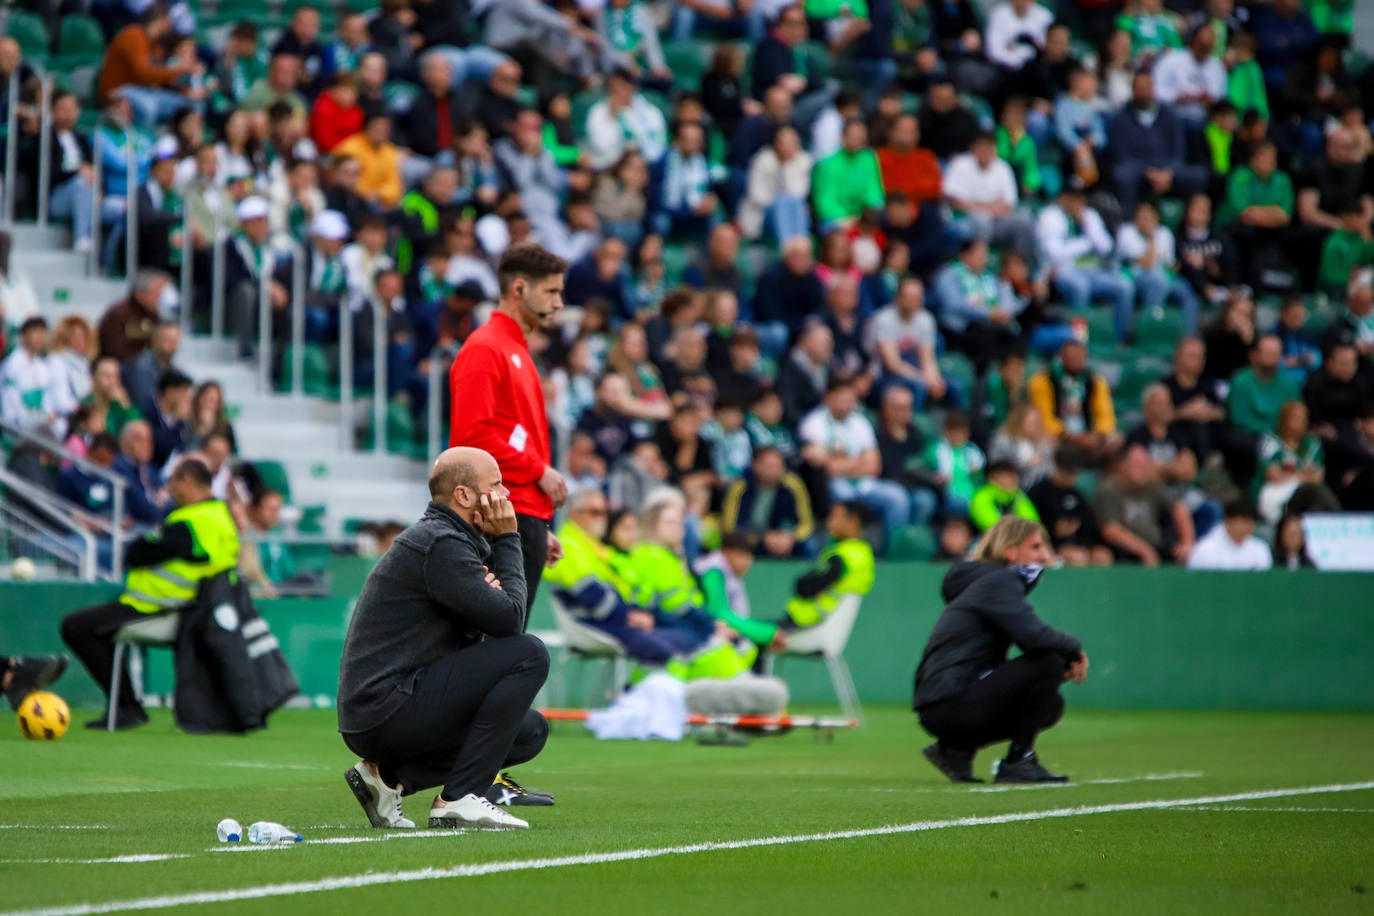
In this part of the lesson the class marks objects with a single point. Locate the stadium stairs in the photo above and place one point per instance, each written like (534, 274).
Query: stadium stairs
(335, 487)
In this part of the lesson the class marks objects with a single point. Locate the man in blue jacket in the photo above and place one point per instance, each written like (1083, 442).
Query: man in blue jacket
(1150, 146)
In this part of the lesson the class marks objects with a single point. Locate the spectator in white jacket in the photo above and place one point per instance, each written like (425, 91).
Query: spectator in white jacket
(623, 119)
(1015, 33)
(1077, 249)
(981, 188)
(1192, 78)
(778, 189)
(1147, 250)
(1232, 545)
(31, 393)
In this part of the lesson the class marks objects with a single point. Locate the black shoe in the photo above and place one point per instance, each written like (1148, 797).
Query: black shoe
(125, 719)
(509, 793)
(31, 672)
(957, 765)
(1027, 769)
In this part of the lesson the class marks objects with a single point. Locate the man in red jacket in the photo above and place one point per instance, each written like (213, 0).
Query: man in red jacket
(498, 400)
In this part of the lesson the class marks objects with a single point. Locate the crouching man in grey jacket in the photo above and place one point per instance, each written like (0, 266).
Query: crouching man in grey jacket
(437, 677)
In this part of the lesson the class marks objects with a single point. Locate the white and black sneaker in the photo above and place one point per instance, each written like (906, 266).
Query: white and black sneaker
(506, 792)
(472, 812)
(380, 802)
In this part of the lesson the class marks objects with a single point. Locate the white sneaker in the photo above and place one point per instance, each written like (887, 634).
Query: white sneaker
(472, 811)
(83, 246)
(380, 802)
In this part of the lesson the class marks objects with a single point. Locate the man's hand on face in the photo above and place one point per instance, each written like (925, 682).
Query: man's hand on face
(495, 514)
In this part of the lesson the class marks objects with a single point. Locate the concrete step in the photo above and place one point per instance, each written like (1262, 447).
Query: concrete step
(57, 262)
(28, 237)
(272, 437)
(349, 468)
(401, 502)
(64, 293)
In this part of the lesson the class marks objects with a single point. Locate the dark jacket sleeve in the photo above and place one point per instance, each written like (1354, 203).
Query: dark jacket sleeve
(455, 580)
(812, 583)
(1001, 602)
(174, 542)
(772, 61)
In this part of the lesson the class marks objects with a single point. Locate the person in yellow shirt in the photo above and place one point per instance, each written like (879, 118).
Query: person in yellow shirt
(380, 159)
(1076, 403)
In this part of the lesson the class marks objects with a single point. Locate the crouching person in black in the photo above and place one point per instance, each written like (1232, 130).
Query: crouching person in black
(968, 694)
(437, 675)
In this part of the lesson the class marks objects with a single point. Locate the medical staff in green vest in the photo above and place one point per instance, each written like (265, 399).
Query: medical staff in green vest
(197, 540)
(845, 567)
(665, 585)
(587, 584)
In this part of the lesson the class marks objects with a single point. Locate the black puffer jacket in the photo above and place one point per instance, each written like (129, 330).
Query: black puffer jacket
(986, 612)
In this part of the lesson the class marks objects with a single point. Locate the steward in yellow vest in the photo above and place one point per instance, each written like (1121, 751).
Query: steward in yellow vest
(845, 567)
(197, 540)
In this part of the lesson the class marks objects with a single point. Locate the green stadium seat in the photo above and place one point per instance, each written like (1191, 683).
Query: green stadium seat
(582, 103)
(1135, 376)
(957, 366)
(819, 60)
(1101, 327)
(1158, 332)
(925, 425)
(274, 476)
(1170, 212)
(312, 520)
(31, 33)
(1087, 483)
(80, 36)
(361, 6)
(316, 370)
(676, 257)
(911, 542)
(689, 62)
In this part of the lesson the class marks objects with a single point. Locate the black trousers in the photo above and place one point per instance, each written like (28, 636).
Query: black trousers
(90, 634)
(467, 718)
(1015, 702)
(534, 546)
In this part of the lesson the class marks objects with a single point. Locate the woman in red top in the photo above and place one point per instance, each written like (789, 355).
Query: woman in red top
(337, 114)
(498, 399)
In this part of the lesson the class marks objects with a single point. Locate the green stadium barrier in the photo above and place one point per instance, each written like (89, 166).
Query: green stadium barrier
(1157, 638)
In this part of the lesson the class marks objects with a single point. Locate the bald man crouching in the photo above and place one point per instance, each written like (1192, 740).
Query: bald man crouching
(437, 678)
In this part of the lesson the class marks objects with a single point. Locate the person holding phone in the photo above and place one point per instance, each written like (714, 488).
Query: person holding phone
(437, 678)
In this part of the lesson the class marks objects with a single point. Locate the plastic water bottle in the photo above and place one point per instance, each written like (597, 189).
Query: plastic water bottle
(229, 831)
(262, 832)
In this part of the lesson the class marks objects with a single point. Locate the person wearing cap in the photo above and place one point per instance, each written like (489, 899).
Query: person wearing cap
(624, 119)
(159, 210)
(1077, 248)
(247, 256)
(326, 280)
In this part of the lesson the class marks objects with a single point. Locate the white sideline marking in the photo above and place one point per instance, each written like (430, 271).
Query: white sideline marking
(252, 765)
(370, 879)
(54, 826)
(1106, 781)
(136, 857)
(1286, 810)
(341, 840)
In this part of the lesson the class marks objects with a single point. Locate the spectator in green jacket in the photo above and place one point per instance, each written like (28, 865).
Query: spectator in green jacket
(1258, 392)
(1245, 85)
(1258, 206)
(1001, 495)
(847, 182)
(1017, 147)
(1345, 249)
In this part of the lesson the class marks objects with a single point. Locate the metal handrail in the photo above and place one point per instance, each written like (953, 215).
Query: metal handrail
(345, 374)
(298, 294)
(440, 359)
(97, 202)
(188, 270)
(217, 283)
(44, 151)
(265, 319)
(11, 146)
(379, 373)
(59, 513)
(131, 192)
(117, 482)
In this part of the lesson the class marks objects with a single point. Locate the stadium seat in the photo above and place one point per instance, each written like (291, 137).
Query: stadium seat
(274, 476)
(689, 62)
(957, 366)
(1157, 332)
(80, 35)
(31, 33)
(912, 542)
(827, 641)
(586, 644)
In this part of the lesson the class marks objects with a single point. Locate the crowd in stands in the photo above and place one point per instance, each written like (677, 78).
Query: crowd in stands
(820, 251)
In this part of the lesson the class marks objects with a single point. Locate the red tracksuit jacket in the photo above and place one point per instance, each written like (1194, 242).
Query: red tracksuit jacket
(498, 406)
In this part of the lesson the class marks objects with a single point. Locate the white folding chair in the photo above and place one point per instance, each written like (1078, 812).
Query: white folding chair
(826, 641)
(157, 630)
(588, 643)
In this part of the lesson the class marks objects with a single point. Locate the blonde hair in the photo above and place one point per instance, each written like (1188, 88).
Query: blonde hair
(62, 335)
(1009, 531)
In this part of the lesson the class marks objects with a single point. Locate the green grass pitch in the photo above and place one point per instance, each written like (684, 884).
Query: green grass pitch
(1113, 842)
